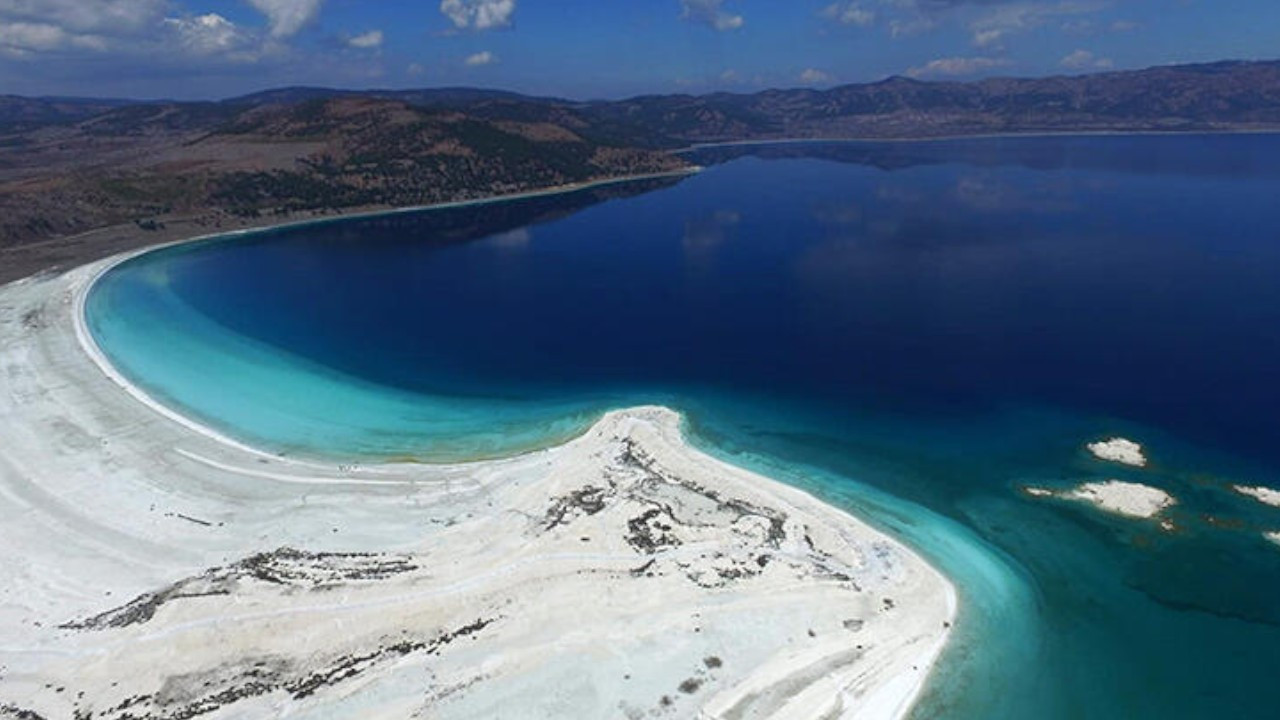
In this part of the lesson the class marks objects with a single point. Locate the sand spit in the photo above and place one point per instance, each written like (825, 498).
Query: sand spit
(1119, 450)
(151, 570)
(1262, 494)
(1273, 536)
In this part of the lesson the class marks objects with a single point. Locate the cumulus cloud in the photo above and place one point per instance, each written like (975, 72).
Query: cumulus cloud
(126, 32)
(956, 66)
(366, 41)
(814, 76)
(479, 14)
(481, 58)
(710, 12)
(990, 29)
(287, 17)
(989, 22)
(73, 17)
(213, 34)
(136, 28)
(1085, 60)
(23, 39)
(849, 13)
(28, 27)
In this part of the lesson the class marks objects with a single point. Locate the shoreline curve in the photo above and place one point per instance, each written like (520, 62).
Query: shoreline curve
(184, 520)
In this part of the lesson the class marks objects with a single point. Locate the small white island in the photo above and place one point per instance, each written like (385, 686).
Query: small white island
(1124, 498)
(1133, 500)
(1121, 450)
(1262, 494)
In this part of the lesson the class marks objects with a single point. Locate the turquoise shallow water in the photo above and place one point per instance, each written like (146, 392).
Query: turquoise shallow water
(911, 331)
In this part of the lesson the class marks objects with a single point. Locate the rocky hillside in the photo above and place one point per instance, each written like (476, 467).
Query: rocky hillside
(145, 162)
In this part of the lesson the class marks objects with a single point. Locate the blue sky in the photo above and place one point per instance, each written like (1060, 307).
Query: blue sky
(191, 49)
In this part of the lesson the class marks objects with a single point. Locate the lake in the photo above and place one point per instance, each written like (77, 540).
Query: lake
(912, 331)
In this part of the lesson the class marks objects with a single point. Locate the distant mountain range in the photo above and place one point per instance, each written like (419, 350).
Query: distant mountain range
(72, 164)
(1218, 96)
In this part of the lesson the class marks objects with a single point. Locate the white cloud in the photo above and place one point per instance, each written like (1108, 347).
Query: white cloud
(989, 22)
(22, 39)
(849, 13)
(213, 34)
(1124, 26)
(479, 14)
(366, 41)
(710, 12)
(481, 58)
(814, 76)
(990, 30)
(416, 70)
(287, 17)
(127, 33)
(1085, 60)
(955, 66)
(988, 38)
(36, 26)
(79, 17)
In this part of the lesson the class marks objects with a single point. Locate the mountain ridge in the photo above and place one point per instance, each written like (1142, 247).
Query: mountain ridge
(68, 165)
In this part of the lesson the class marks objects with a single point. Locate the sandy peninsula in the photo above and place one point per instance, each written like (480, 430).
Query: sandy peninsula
(152, 569)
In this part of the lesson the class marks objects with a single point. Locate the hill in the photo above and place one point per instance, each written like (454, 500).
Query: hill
(1220, 96)
(144, 162)
(68, 165)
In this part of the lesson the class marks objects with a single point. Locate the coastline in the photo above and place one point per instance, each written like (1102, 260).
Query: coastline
(971, 136)
(180, 501)
(127, 239)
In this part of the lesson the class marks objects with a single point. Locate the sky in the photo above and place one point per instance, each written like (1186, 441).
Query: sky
(212, 49)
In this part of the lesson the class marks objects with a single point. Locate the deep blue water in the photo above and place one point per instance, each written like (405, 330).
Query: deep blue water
(911, 330)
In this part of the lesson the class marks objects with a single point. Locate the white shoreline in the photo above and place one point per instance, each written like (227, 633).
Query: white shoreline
(342, 215)
(140, 496)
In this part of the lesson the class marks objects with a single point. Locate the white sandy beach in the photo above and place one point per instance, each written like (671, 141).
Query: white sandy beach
(151, 569)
